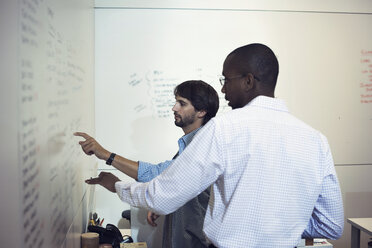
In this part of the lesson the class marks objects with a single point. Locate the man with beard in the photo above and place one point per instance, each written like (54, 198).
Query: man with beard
(196, 103)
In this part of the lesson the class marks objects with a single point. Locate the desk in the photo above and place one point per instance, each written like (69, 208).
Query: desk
(323, 243)
(126, 232)
(357, 224)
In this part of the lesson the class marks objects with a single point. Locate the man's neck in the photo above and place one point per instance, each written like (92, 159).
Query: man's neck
(190, 128)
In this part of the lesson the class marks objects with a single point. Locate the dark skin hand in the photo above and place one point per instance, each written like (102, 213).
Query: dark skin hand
(108, 180)
(151, 218)
(105, 179)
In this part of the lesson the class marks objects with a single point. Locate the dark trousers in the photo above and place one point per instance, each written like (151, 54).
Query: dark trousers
(212, 246)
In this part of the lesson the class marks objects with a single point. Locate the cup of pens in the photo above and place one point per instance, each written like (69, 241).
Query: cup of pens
(90, 240)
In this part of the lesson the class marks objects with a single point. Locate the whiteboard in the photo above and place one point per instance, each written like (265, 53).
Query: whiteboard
(141, 54)
(50, 92)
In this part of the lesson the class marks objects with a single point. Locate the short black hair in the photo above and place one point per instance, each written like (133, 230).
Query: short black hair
(201, 95)
(259, 60)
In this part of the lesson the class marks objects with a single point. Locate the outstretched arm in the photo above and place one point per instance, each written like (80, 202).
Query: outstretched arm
(90, 146)
(196, 168)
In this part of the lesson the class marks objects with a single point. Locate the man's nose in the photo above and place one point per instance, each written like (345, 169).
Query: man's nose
(175, 107)
(223, 89)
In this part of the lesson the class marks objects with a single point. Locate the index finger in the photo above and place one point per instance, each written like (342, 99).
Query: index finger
(81, 134)
(95, 180)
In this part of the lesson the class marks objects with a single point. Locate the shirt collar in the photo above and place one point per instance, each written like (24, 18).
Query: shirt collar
(186, 139)
(269, 103)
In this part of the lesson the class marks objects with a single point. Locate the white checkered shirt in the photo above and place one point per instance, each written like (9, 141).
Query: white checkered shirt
(274, 179)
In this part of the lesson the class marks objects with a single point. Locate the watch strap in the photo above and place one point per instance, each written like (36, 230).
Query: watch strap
(110, 159)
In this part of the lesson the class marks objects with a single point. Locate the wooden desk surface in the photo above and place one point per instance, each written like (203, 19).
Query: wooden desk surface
(125, 232)
(364, 224)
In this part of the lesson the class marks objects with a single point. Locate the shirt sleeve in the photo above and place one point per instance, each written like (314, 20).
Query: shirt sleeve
(148, 171)
(327, 220)
(196, 168)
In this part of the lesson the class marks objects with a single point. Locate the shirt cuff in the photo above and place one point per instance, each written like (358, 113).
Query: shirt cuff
(132, 193)
(120, 189)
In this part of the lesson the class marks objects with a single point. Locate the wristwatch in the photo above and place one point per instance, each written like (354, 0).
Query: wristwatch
(110, 159)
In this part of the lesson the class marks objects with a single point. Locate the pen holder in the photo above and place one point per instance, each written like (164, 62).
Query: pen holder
(90, 240)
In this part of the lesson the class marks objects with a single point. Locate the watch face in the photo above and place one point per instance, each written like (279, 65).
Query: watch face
(110, 159)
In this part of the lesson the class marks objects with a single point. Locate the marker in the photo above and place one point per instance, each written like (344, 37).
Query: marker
(102, 221)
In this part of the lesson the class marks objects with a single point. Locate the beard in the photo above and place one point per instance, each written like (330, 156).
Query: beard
(184, 121)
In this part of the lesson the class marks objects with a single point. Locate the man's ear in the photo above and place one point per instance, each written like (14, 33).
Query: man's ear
(201, 113)
(248, 82)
